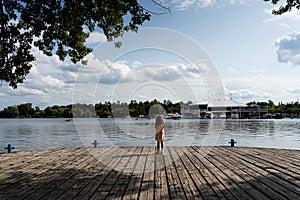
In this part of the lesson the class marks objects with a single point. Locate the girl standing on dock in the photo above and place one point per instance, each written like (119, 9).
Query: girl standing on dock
(160, 132)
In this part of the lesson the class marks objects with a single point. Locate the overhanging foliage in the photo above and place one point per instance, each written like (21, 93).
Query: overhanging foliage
(60, 27)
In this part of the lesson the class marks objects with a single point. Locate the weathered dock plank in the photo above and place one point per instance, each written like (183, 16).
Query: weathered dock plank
(174, 184)
(146, 189)
(28, 176)
(139, 173)
(189, 181)
(220, 183)
(202, 180)
(134, 185)
(96, 181)
(258, 174)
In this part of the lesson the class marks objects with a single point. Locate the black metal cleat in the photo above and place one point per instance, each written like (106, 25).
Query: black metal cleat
(9, 148)
(232, 142)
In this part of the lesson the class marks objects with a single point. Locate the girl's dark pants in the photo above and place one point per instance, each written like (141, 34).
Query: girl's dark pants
(160, 145)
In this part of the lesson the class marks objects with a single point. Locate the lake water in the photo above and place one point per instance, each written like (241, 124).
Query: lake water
(29, 134)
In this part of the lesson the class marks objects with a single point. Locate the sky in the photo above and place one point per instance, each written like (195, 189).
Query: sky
(204, 49)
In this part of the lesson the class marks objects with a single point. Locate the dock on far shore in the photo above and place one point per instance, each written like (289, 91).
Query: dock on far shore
(140, 173)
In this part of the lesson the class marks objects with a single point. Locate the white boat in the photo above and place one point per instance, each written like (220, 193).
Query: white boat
(234, 116)
(222, 116)
(209, 115)
(172, 116)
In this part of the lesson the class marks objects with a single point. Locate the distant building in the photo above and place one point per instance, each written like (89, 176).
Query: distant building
(224, 109)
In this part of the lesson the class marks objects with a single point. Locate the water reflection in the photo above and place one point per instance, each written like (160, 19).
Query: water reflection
(56, 133)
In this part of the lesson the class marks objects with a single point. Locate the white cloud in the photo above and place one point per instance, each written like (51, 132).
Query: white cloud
(247, 94)
(114, 72)
(40, 85)
(289, 48)
(201, 4)
(262, 88)
(85, 73)
(284, 25)
(142, 97)
(121, 80)
(162, 73)
(206, 3)
(46, 64)
(121, 72)
(96, 37)
(44, 83)
(24, 91)
(182, 5)
(51, 82)
(237, 1)
(231, 70)
(294, 91)
(257, 71)
(197, 68)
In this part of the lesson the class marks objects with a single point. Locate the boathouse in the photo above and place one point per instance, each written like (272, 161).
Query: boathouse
(224, 109)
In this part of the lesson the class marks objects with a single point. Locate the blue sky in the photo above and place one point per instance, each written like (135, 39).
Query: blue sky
(256, 54)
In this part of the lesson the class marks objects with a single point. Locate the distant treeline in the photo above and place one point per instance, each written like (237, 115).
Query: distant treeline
(101, 110)
(289, 109)
(133, 109)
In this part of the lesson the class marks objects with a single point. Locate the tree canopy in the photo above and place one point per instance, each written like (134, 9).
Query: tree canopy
(60, 27)
(287, 7)
(101, 110)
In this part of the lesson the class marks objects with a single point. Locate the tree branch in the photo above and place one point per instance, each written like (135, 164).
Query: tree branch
(166, 9)
(290, 4)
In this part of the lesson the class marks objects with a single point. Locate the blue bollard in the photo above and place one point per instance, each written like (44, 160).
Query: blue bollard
(9, 148)
(232, 142)
(95, 143)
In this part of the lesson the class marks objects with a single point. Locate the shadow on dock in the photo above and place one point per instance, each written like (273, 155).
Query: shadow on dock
(223, 173)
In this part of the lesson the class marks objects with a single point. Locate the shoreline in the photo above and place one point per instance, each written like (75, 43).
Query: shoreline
(148, 146)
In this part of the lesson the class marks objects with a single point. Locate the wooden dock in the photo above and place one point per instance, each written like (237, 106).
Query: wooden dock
(139, 173)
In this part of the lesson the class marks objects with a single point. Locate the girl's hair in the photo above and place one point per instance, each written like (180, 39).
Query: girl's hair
(159, 120)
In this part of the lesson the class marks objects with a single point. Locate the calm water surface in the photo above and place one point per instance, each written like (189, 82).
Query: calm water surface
(29, 134)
